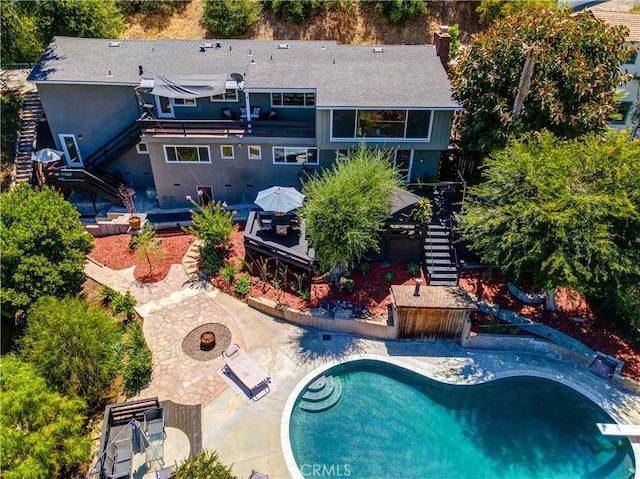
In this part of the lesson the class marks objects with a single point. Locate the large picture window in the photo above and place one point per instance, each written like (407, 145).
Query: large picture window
(293, 99)
(374, 124)
(187, 154)
(295, 156)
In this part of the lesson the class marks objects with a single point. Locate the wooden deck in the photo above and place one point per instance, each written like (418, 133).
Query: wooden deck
(293, 249)
(152, 127)
(187, 418)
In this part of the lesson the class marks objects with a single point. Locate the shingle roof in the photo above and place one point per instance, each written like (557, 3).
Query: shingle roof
(343, 75)
(628, 19)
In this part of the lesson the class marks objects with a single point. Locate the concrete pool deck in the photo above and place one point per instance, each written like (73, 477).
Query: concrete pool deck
(245, 432)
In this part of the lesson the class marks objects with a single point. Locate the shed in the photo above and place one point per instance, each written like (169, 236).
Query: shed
(436, 312)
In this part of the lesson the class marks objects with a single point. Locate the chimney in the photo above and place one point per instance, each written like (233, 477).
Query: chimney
(442, 42)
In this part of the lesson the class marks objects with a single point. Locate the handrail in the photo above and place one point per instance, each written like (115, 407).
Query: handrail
(116, 144)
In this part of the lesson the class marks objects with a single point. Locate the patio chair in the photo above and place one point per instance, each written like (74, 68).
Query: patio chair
(227, 114)
(265, 220)
(255, 112)
(154, 422)
(273, 115)
(244, 368)
(117, 466)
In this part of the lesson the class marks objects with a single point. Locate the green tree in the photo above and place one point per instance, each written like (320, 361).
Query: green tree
(489, 10)
(292, 11)
(19, 44)
(346, 207)
(454, 33)
(205, 465)
(566, 213)
(576, 70)
(42, 431)
(147, 246)
(230, 18)
(43, 247)
(71, 345)
(398, 12)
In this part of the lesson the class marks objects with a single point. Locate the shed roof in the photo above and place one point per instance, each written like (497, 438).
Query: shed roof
(398, 76)
(432, 297)
(630, 20)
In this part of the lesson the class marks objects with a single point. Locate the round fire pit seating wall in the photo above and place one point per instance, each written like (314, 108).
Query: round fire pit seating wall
(207, 341)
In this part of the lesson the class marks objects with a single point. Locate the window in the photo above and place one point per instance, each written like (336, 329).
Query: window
(295, 156)
(403, 160)
(255, 153)
(187, 154)
(184, 101)
(373, 124)
(230, 94)
(634, 56)
(619, 116)
(293, 99)
(71, 150)
(342, 154)
(142, 148)
(226, 151)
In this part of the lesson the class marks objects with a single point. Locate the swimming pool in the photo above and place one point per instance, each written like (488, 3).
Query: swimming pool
(384, 421)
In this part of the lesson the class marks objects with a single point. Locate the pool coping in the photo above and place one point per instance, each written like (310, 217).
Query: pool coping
(424, 370)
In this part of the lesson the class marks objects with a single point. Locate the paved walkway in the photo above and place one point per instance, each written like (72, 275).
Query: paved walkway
(247, 433)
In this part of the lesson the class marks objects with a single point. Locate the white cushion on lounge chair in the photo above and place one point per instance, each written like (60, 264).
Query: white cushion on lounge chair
(244, 367)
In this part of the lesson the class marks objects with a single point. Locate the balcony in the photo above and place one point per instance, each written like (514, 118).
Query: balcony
(156, 128)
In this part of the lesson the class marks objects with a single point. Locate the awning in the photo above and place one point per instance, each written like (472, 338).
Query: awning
(189, 86)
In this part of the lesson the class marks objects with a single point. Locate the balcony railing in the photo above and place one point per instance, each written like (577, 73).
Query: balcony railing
(226, 128)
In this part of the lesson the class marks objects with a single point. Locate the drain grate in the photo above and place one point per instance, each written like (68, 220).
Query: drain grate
(326, 337)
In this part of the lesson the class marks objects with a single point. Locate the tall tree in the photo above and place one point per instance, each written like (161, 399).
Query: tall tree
(566, 213)
(43, 247)
(489, 10)
(72, 346)
(19, 44)
(230, 18)
(576, 70)
(345, 208)
(42, 431)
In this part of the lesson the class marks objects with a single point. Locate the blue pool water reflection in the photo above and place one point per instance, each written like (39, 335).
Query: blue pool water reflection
(391, 422)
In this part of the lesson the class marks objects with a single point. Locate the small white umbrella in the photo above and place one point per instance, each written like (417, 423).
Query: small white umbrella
(47, 155)
(279, 198)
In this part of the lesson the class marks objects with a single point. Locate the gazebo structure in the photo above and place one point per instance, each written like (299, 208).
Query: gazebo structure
(431, 312)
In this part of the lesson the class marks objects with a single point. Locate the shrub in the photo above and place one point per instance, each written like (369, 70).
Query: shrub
(243, 285)
(399, 12)
(107, 294)
(137, 368)
(230, 18)
(212, 260)
(10, 124)
(205, 465)
(228, 273)
(388, 276)
(423, 211)
(413, 268)
(72, 346)
(123, 303)
(304, 294)
(348, 285)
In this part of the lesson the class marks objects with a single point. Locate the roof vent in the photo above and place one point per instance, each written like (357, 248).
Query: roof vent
(207, 45)
(114, 44)
(283, 46)
(140, 70)
(378, 49)
(218, 45)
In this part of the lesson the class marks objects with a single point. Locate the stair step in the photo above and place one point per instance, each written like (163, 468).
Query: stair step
(441, 269)
(437, 254)
(327, 402)
(443, 277)
(323, 393)
(443, 283)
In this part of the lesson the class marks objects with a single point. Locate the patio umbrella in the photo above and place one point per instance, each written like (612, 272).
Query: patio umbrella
(138, 438)
(47, 155)
(279, 198)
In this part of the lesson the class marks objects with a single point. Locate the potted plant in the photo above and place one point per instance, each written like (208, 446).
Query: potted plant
(126, 195)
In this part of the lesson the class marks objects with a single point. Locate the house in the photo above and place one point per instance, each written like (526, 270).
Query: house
(223, 119)
(628, 104)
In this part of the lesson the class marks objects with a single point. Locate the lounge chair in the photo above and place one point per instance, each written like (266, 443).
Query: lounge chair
(244, 367)
(154, 422)
(117, 461)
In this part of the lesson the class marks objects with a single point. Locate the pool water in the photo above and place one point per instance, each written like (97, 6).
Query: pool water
(391, 422)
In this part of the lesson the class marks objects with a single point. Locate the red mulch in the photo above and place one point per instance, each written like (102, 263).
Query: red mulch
(372, 291)
(114, 252)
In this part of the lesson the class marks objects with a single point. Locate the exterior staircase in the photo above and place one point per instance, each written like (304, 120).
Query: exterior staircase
(439, 256)
(25, 146)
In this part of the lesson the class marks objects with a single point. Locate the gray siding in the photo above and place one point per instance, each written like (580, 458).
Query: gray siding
(96, 113)
(134, 168)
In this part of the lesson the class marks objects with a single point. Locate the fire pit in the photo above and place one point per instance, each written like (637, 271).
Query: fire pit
(207, 341)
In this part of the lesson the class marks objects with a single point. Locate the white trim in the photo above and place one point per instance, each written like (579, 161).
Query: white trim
(63, 143)
(225, 100)
(197, 147)
(307, 148)
(163, 114)
(344, 107)
(226, 157)
(407, 177)
(283, 92)
(142, 152)
(258, 157)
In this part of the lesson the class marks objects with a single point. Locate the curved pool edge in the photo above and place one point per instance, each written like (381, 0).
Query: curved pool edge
(423, 370)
